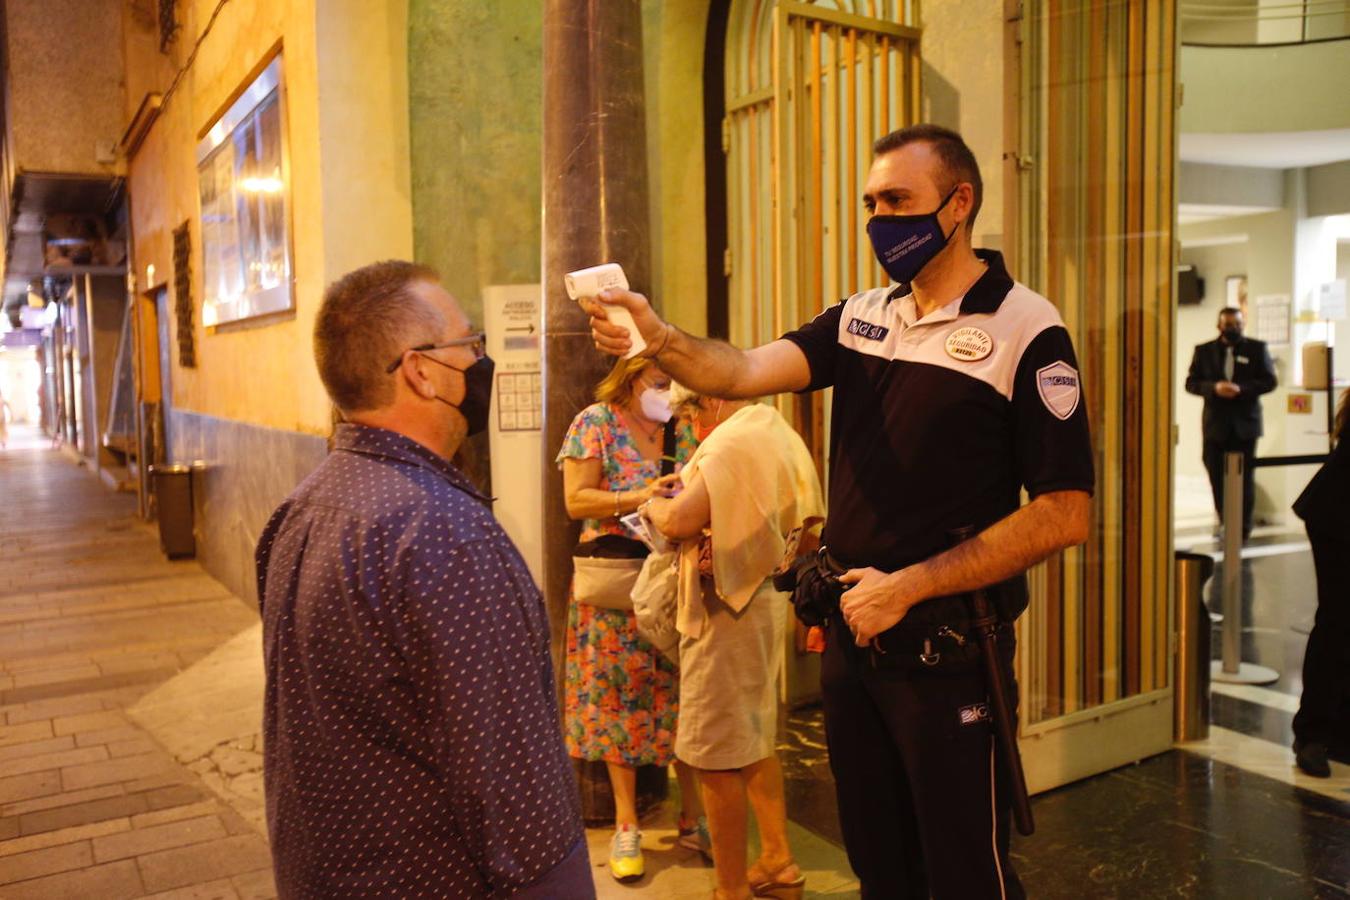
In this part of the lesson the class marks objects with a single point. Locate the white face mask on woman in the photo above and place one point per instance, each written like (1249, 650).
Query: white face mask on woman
(655, 404)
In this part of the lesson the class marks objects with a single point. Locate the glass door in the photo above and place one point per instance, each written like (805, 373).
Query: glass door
(1094, 214)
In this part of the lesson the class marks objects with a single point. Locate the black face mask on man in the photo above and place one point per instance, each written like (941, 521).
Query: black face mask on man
(1232, 334)
(477, 392)
(905, 244)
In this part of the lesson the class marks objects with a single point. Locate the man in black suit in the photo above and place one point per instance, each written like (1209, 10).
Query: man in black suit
(1231, 373)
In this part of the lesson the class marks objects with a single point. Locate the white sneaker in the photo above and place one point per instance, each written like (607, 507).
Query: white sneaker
(694, 836)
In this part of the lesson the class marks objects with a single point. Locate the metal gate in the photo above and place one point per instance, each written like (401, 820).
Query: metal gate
(809, 87)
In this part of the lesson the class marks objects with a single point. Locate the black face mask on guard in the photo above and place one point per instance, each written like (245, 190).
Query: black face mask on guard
(905, 244)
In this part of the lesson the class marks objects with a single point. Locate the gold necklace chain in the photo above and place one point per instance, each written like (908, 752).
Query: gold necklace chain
(631, 418)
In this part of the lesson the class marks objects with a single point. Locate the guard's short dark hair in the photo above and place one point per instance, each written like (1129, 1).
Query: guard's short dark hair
(1229, 311)
(368, 317)
(957, 162)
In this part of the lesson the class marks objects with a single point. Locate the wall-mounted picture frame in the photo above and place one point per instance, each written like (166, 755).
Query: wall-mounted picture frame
(243, 176)
(1235, 293)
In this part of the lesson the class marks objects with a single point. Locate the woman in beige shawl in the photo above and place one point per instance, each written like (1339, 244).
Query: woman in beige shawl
(750, 483)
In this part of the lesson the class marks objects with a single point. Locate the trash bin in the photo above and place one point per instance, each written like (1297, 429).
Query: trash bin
(1190, 711)
(173, 499)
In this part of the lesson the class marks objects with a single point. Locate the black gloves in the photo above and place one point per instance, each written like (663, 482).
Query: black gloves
(815, 590)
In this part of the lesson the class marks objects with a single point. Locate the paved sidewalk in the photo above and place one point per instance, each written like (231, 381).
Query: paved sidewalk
(108, 788)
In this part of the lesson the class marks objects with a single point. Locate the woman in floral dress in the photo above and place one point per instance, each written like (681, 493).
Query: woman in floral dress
(621, 694)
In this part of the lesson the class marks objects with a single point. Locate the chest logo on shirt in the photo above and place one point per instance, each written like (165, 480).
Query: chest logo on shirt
(1059, 388)
(969, 344)
(867, 330)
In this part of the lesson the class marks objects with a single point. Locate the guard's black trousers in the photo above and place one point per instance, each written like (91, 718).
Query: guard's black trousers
(914, 769)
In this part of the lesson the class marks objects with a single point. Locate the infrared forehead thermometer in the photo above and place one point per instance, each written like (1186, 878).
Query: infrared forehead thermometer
(585, 283)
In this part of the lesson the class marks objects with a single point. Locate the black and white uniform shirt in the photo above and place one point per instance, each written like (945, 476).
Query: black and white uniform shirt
(939, 422)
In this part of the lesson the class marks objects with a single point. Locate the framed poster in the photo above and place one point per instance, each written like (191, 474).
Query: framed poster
(1235, 293)
(243, 180)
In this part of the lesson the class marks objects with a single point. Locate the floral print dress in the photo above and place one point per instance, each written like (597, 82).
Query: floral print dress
(621, 695)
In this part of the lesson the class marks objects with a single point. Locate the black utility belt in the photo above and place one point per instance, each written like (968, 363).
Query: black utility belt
(938, 634)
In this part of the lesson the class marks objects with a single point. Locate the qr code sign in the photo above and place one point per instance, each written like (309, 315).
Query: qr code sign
(519, 401)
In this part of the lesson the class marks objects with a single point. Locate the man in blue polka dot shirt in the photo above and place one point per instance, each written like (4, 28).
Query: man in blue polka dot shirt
(413, 746)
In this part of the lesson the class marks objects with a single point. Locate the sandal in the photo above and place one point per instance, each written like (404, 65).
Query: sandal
(781, 887)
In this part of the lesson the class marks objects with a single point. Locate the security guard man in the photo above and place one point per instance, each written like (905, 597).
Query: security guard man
(954, 389)
(1231, 373)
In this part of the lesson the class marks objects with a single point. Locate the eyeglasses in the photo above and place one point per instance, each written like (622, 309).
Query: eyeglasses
(476, 342)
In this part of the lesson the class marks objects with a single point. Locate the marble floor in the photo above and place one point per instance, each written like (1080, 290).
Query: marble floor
(1202, 822)
(1226, 817)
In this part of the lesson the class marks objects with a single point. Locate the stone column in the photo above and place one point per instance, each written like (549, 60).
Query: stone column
(595, 211)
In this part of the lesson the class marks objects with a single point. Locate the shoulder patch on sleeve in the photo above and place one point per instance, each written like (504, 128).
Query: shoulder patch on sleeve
(1059, 388)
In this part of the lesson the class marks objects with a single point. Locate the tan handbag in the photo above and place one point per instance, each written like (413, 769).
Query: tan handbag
(606, 583)
(655, 603)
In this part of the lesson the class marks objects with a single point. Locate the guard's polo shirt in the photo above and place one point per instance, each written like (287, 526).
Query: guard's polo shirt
(938, 422)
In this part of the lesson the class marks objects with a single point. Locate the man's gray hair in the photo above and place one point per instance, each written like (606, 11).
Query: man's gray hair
(368, 317)
(682, 396)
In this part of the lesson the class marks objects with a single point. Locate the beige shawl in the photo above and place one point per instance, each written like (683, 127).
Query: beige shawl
(761, 484)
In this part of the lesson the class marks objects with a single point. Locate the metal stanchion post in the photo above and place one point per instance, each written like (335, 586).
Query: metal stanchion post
(1232, 669)
(1232, 563)
(1190, 720)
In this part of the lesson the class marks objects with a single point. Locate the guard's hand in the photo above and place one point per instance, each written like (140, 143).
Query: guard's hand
(1227, 389)
(612, 339)
(871, 604)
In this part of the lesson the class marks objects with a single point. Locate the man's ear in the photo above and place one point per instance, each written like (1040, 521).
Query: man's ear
(411, 371)
(959, 206)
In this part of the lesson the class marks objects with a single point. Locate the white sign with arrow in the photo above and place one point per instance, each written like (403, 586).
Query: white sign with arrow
(513, 319)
